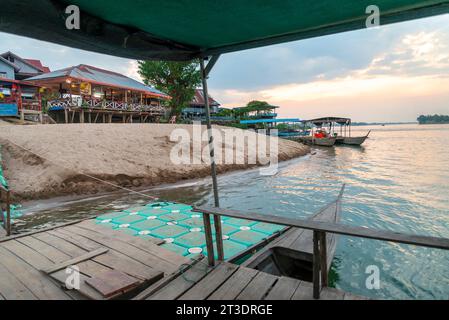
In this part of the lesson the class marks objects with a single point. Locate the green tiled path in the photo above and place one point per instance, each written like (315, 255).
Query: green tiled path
(183, 230)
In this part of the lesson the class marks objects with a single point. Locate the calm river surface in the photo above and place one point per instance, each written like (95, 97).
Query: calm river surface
(399, 180)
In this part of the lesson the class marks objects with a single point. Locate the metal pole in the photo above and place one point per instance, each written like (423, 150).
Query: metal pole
(213, 167)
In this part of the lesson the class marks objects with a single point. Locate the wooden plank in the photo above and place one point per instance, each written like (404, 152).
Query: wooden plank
(40, 285)
(62, 245)
(27, 254)
(46, 250)
(127, 249)
(2, 232)
(26, 234)
(178, 286)
(283, 289)
(234, 285)
(76, 260)
(112, 259)
(258, 288)
(11, 288)
(304, 291)
(90, 268)
(166, 280)
(77, 240)
(205, 287)
(112, 282)
(139, 243)
(84, 289)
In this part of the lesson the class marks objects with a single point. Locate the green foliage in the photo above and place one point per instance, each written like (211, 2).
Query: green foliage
(435, 119)
(251, 106)
(177, 79)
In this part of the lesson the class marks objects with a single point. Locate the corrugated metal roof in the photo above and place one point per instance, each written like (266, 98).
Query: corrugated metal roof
(99, 76)
(198, 99)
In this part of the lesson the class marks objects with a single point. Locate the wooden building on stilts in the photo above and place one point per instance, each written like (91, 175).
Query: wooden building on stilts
(87, 94)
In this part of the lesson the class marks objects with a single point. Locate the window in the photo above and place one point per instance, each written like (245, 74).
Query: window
(3, 75)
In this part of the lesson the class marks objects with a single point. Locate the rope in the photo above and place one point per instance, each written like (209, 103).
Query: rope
(85, 174)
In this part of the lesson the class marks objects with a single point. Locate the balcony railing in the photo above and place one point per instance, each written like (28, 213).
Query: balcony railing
(104, 105)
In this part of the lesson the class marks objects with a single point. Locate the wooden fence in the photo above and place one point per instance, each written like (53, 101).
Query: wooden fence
(319, 228)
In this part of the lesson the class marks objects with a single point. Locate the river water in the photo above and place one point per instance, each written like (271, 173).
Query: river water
(398, 180)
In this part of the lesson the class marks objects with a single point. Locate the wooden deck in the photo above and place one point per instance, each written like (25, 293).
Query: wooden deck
(2, 231)
(113, 264)
(33, 266)
(228, 281)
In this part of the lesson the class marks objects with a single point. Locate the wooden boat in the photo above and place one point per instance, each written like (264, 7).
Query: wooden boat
(354, 141)
(291, 254)
(324, 142)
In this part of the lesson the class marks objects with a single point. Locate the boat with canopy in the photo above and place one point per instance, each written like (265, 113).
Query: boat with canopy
(332, 130)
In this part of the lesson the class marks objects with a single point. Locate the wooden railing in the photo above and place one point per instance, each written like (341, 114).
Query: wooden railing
(319, 228)
(104, 104)
(5, 206)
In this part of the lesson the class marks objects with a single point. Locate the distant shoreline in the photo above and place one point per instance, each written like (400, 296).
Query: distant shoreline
(359, 124)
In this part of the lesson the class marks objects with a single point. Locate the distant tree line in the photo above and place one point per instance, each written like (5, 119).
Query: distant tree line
(436, 118)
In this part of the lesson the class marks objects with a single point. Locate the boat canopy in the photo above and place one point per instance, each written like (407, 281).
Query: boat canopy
(320, 121)
(269, 121)
(183, 30)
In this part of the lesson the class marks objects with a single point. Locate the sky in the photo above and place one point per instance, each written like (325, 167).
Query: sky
(390, 73)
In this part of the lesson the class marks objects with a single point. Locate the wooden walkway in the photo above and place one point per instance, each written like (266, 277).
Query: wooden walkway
(34, 266)
(228, 281)
(113, 264)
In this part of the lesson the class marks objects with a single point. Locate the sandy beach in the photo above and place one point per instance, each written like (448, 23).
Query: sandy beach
(42, 161)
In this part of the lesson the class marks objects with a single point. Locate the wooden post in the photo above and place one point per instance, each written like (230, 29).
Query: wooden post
(82, 116)
(66, 115)
(219, 237)
(209, 240)
(316, 265)
(90, 116)
(323, 258)
(110, 118)
(104, 119)
(124, 118)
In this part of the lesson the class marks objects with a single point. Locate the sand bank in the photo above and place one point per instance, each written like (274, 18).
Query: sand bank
(129, 155)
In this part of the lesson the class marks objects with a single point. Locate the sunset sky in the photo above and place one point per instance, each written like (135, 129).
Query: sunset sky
(390, 73)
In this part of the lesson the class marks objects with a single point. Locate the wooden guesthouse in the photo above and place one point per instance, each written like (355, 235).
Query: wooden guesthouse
(89, 94)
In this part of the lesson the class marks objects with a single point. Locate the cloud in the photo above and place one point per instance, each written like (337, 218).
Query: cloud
(415, 70)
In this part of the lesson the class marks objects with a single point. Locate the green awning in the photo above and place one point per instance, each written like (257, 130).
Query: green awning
(185, 29)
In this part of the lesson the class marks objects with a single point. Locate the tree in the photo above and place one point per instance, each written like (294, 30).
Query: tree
(177, 79)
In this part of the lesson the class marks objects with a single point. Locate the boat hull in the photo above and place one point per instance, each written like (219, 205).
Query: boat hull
(354, 141)
(291, 254)
(324, 142)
